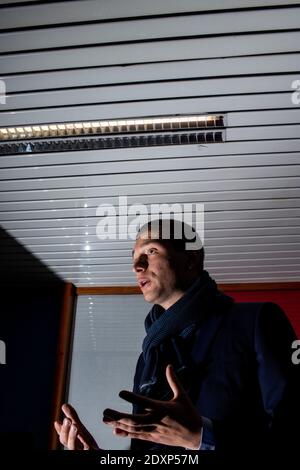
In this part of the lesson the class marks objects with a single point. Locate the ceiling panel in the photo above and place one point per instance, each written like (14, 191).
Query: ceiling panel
(186, 197)
(54, 259)
(136, 73)
(91, 10)
(171, 164)
(35, 236)
(115, 178)
(147, 29)
(209, 207)
(137, 92)
(214, 104)
(156, 51)
(107, 60)
(249, 149)
(237, 215)
(81, 194)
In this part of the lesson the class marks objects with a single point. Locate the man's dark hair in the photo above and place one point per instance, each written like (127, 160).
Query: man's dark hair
(180, 235)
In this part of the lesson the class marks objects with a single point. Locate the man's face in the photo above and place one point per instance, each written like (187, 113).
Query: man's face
(157, 269)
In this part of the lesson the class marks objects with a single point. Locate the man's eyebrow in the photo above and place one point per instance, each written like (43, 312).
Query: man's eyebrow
(146, 242)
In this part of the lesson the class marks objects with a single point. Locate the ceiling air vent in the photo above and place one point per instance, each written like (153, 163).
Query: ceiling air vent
(147, 132)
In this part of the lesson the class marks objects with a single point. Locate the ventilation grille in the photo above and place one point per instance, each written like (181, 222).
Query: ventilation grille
(113, 142)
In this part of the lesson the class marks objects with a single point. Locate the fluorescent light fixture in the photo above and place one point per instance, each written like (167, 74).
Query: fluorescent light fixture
(119, 126)
(121, 133)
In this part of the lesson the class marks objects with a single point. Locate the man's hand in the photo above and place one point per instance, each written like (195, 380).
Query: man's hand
(72, 433)
(174, 423)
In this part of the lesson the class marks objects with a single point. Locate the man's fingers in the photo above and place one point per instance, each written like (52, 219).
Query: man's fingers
(72, 438)
(128, 428)
(149, 403)
(83, 442)
(111, 416)
(140, 400)
(64, 431)
(57, 426)
(70, 412)
(72, 433)
(72, 415)
(174, 383)
(119, 432)
(142, 436)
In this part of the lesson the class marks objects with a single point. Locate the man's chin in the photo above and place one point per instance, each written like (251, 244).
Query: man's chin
(149, 296)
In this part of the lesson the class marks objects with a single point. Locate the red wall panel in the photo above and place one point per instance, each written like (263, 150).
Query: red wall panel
(289, 301)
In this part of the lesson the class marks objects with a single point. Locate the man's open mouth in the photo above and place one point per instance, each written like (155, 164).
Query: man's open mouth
(143, 283)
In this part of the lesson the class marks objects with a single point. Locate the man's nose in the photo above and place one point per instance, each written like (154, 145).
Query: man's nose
(141, 264)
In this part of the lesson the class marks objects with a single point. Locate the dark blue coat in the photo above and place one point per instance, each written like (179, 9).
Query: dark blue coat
(245, 381)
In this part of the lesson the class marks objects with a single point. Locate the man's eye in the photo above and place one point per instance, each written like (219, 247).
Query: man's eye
(151, 251)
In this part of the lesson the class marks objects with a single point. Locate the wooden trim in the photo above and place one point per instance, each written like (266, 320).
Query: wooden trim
(130, 290)
(254, 286)
(62, 359)
(108, 290)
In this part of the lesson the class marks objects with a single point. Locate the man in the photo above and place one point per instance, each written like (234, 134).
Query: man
(234, 385)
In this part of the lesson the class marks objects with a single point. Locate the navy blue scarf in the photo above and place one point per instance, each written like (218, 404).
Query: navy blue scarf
(170, 335)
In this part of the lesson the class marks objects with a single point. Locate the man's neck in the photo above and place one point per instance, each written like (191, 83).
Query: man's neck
(178, 293)
(172, 300)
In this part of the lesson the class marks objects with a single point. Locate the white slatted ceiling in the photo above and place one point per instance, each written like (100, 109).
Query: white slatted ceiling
(131, 58)
(217, 104)
(142, 52)
(140, 73)
(146, 29)
(138, 92)
(91, 10)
